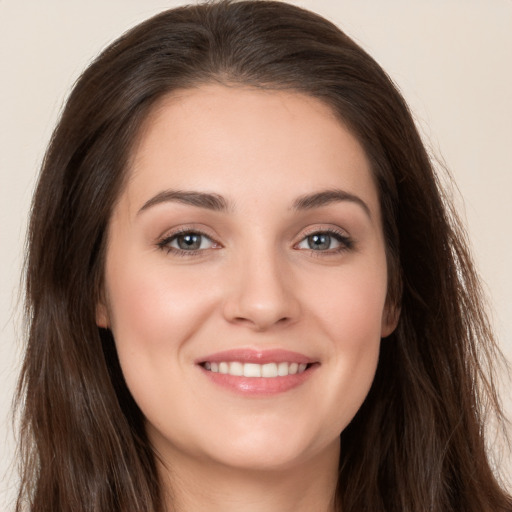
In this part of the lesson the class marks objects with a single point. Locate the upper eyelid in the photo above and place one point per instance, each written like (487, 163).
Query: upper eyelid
(311, 230)
(180, 230)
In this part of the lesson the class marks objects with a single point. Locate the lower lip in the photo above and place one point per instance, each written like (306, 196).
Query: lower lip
(259, 386)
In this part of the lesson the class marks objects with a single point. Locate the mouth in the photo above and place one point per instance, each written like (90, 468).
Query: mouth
(252, 372)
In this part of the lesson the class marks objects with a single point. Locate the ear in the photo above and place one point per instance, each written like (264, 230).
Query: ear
(102, 319)
(390, 318)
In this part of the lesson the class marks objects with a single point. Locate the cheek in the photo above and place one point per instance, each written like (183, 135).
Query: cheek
(350, 316)
(153, 312)
(351, 304)
(357, 330)
(149, 305)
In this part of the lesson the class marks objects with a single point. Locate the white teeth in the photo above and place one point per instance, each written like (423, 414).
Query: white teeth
(267, 370)
(252, 370)
(236, 368)
(282, 369)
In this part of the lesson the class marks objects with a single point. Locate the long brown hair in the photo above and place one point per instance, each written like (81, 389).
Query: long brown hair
(417, 443)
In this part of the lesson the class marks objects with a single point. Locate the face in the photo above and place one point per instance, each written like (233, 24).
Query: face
(246, 278)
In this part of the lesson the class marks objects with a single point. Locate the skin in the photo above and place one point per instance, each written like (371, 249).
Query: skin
(254, 283)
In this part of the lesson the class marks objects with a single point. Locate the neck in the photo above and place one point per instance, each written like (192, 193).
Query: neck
(211, 487)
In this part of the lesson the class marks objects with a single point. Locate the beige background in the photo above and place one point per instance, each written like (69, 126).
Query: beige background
(451, 58)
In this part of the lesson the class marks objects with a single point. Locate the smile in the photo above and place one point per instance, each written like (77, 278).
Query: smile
(268, 370)
(250, 372)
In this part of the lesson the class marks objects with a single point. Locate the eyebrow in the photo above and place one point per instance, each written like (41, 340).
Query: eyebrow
(216, 202)
(206, 200)
(325, 197)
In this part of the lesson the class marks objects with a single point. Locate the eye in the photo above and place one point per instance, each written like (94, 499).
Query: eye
(187, 241)
(325, 241)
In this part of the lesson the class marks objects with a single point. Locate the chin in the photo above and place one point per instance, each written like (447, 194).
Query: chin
(271, 447)
(267, 458)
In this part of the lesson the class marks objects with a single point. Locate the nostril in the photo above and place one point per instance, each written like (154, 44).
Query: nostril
(260, 323)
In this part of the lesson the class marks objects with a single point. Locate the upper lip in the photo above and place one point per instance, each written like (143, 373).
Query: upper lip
(248, 355)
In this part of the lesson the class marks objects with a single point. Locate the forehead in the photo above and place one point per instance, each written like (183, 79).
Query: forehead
(218, 138)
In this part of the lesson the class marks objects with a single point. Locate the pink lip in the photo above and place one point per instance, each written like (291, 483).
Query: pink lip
(246, 355)
(258, 386)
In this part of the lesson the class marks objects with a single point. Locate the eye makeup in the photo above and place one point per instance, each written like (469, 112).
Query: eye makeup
(191, 241)
(186, 241)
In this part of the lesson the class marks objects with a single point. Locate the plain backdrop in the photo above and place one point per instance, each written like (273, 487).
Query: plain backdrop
(452, 59)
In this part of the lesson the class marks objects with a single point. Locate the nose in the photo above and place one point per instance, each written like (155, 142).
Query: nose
(261, 293)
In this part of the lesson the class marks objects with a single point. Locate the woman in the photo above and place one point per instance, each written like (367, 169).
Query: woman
(235, 209)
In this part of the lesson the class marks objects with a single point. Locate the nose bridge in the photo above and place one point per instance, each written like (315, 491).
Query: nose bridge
(261, 293)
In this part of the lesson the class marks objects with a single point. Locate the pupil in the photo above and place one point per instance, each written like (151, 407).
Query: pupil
(189, 242)
(319, 242)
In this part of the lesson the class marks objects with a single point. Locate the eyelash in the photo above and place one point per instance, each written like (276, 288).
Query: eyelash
(346, 243)
(164, 243)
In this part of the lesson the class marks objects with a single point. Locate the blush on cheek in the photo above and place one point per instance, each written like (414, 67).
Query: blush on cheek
(356, 313)
(158, 311)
